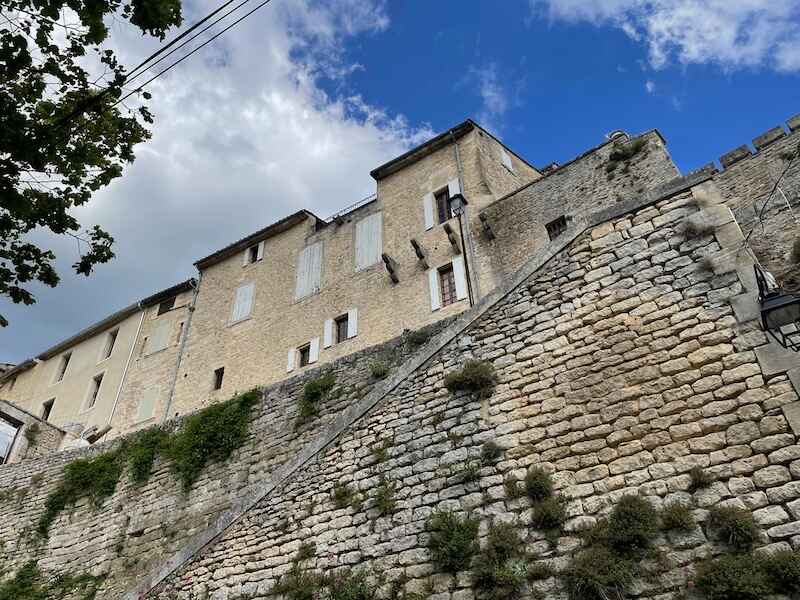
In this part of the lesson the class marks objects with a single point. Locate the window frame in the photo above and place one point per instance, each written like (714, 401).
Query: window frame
(443, 205)
(109, 344)
(94, 391)
(165, 306)
(304, 355)
(219, 377)
(447, 294)
(556, 227)
(63, 365)
(338, 323)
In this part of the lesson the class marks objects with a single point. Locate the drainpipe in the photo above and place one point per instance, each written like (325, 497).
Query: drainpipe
(466, 241)
(127, 364)
(182, 347)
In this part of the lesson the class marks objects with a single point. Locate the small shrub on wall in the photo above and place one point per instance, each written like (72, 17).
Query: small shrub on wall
(475, 376)
(314, 391)
(453, 540)
(598, 573)
(735, 526)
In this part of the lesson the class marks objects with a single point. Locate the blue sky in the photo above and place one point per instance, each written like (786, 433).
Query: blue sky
(295, 106)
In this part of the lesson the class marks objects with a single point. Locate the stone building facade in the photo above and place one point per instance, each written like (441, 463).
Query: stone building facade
(622, 362)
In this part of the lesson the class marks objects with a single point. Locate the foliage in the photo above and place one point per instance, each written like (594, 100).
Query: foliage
(475, 376)
(344, 496)
(598, 573)
(699, 479)
(306, 551)
(30, 584)
(512, 487)
(622, 152)
(63, 138)
(783, 570)
(538, 484)
(453, 540)
(380, 453)
(299, 584)
(735, 526)
(350, 585)
(632, 525)
(691, 229)
(95, 478)
(677, 517)
(548, 515)
(501, 568)
(210, 435)
(732, 577)
(32, 432)
(539, 571)
(418, 337)
(379, 369)
(313, 392)
(384, 497)
(471, 471)
(142, 453)
(490, 453)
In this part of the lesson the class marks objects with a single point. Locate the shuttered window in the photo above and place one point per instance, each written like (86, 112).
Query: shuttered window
(309, 270)
(369, 241)
(147, 403)
(242, 302)
(506, 160)
(158, 338)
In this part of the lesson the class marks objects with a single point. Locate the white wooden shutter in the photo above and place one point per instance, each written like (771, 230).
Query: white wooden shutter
(433, 283)
(147, 403)
(246, 257)
(327, 335)
(352, 323)
(290, 360)
(427, 203)
(260, 253)
(309, 270)
(243, 302)
(506, 160)
(159, 337)
(369, 241)
(460, 275)
(453, 187)
(313, 351)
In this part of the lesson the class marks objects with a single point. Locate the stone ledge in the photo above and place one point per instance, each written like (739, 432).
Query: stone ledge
(768, 137)
(734, 156)
(775, 359)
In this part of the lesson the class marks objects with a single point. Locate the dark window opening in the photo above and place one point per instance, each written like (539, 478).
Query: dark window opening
(166, 306)
(218, 375)
(62, 368)
(180, 332)
(447, 284)
(444, 206)
(94, 391)
(252, 254)
(341, 328)
(305, 355)
(47, 408)
(557, 227)
(110, 341)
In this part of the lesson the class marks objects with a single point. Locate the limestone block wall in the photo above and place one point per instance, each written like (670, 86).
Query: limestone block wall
(746, 180)
(138, 527)
(35, 438)
(577, 188)
(621, 366)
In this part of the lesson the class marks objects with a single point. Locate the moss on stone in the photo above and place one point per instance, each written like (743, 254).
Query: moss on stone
(313, 392)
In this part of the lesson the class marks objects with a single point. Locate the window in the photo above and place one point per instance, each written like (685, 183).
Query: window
(369, 242)
(309, 271)
(253, 254)
(506, 160)
(341, 329)
(8, 433)
(47, 408)
(166, 306)
(62, 367)
(218, 375)
(305, 355)
(159, 337)
(147, 404)
(557, 227)
(108, 348)
(242, 302)
(94, 390)
(444, 207)
(447, 284)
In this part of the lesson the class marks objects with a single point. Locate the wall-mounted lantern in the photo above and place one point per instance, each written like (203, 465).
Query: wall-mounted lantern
(780, 311)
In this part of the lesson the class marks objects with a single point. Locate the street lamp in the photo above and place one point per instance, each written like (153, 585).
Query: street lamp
(457, 204)
(780, 311)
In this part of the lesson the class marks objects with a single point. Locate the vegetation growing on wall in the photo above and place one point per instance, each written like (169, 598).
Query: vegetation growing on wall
(734, 526)
(677, 517)
(453, 540)
(314, 391)
(384, 497)
(501, 569)
(622, 153)
(210, 435)
(475, 376)
(700, 479)
(29, 583)
(32, 432)
(749, 576)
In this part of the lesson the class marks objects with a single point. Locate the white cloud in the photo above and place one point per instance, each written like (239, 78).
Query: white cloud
(650, 86)
(245, 134)
(494, 96)
(729, 33)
